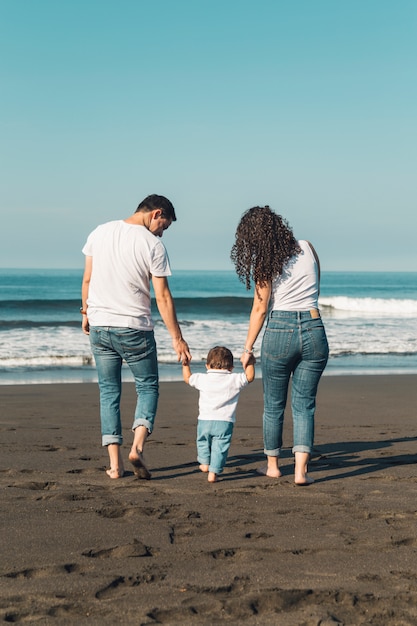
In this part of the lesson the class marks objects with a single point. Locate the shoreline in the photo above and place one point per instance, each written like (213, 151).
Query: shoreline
(81, 548)
(172, 373)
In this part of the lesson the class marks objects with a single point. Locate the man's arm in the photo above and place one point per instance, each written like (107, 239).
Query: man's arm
(166, 308)
(84, 291)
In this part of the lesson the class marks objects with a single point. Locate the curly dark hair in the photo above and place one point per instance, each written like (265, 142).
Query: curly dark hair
(264, 242)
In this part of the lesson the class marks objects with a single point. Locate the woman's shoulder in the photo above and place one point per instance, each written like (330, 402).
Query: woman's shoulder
(306, 245)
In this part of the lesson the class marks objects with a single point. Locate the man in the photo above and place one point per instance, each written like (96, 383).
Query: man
(121, 257)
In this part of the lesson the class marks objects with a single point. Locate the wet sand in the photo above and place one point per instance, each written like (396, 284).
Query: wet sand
(79, 548)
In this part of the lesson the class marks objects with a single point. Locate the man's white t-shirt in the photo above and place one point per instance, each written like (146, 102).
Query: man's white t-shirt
(125, 256)
(219, 393)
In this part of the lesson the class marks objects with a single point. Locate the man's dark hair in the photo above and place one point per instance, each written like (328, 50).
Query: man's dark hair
(220, 358)
(153, 202)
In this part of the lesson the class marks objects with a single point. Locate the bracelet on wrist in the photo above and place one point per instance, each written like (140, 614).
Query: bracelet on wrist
(246, 351)
(82, 311)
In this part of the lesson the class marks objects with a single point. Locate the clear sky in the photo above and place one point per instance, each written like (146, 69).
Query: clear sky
(309, 106)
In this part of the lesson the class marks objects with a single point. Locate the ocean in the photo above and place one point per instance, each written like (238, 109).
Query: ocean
(370, 319)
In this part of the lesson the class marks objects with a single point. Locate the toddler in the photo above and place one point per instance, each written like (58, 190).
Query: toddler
(219, 391)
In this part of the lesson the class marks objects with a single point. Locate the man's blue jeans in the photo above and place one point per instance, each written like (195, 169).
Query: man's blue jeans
(293, 344)
(110, 346)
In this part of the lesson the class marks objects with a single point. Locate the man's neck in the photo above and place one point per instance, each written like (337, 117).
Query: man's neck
(140, 219)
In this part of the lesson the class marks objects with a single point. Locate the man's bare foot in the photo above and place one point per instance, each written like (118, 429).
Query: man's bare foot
(270, 472)
(115, 473)
(203, 468)
(139, 468)
(212, 477)
(117, 469)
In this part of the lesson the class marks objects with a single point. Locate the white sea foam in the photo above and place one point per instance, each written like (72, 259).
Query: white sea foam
(371, 306)
(68, 347)
(365, 333)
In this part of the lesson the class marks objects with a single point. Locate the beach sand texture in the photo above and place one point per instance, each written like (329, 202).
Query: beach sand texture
(79, 548)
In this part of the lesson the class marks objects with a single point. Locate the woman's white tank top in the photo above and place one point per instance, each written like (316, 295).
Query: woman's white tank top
(297, 288)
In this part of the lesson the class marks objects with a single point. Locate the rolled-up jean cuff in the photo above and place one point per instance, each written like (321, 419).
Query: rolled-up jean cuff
(215, 470)
(276, 452)
(107, 440)
(142, 422)
(302, 449)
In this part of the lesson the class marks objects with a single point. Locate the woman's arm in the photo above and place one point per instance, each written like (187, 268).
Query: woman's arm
(257, 317)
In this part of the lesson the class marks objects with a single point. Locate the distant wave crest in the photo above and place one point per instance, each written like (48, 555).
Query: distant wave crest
(375, 306)
(47, 360)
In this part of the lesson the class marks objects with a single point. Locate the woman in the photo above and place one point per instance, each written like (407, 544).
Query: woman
(286, 273)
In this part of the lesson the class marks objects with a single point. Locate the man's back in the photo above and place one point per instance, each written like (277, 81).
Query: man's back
(124, 257)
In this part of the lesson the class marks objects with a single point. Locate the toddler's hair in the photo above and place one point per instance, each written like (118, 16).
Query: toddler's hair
(220, 358)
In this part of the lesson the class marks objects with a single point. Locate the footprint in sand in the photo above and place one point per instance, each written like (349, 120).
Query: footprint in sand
(135, 549)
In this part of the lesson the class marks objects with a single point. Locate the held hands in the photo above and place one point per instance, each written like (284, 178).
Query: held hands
(183, 352)
(247, 358)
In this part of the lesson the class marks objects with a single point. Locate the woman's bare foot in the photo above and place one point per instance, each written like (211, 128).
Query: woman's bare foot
(304, 481)
(271, 473)
(271, 468)
(117, 472)
(203, 468)
(212, 477)
(300, 474)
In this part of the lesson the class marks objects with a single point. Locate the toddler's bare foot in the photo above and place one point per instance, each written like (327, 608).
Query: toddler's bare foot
(212, 477)
(118, 472)
(203, 468)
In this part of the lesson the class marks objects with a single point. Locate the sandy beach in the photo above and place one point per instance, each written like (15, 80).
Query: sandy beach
(79, 548)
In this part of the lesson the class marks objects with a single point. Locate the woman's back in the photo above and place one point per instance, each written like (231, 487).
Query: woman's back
(297, 288)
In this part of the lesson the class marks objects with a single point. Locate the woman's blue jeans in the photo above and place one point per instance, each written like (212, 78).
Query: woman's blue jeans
(294, 343)
(110, 347)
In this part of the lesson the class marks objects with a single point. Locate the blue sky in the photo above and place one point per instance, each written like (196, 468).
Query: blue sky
(306, 105)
